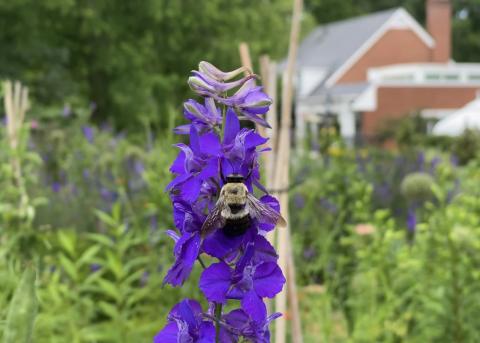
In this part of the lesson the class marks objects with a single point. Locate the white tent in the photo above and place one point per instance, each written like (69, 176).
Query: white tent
(468, 117)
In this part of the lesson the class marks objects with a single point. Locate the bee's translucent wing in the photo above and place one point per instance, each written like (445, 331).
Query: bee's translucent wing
(214, 219)
(264, 213)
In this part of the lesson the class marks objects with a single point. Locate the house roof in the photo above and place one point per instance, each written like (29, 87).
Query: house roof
(331, 45)
(336, 47)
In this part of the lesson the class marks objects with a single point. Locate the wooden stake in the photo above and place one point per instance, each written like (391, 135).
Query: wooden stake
(281, 182)
(247, 62)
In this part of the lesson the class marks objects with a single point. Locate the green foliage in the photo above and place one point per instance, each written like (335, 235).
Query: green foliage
(467, 146)
(417, 187)
(130, 58)
(397, 289)
(23, 309)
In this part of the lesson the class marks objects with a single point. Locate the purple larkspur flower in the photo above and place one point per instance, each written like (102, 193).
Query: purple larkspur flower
(195, 164)
(250, 101)
(238, 323)
(186, 323)
(250, 281)
(203, 117)
(88, 133)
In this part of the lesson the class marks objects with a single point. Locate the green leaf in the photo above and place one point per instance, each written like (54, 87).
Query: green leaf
(69, 267)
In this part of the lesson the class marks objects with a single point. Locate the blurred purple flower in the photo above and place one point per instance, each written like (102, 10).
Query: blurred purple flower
(56, 187)
(299, 201)
(67, 111)
(144, 279)
(108, 195)
(421, 161)
(411, 220)
(328, 205)
(88, 133)
(309, 254)
(95, 267)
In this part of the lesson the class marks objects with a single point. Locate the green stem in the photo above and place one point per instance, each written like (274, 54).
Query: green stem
(218, 316)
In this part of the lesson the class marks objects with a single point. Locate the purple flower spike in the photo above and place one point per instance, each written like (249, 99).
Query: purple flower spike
(88, 133)
(246, 269)
(411, 220)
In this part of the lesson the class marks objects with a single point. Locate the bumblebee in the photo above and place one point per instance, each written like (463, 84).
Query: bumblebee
(235, 209)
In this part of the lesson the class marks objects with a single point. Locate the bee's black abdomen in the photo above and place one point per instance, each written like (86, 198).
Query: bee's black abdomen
(236, 227)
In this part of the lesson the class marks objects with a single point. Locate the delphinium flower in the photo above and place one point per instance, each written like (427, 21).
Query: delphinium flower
(246, 270)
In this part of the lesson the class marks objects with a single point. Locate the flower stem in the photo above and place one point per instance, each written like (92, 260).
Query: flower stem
(201, 262)
(218, 316)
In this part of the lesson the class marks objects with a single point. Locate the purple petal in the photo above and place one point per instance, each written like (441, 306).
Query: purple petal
(219, 245)
(187, 314)
(182, 129)
(264, 251)
(177, 180)
(178, 166)
(188, 250)
(207, 333)
(210, 170)
(190, 189)
(253, 140)
(268, 279)
(215, 282)
(210, 144)
(169, 334)
(257, 98)
(194, 140)
(254, 306)
(232, 126)
(194, 305)
(173, 235)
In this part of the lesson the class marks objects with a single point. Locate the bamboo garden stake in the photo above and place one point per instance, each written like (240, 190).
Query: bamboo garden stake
(281, 182)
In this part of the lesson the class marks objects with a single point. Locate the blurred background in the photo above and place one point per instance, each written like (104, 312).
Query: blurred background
(385, 211)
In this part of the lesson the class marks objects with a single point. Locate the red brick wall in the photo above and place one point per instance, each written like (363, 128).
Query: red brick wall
(439, 14)
(396, 102)
(395, 46)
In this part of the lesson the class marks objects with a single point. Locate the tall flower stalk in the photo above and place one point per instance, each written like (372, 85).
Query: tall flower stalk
(246, 271)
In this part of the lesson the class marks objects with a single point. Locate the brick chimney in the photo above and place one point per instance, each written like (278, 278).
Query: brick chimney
(439, 26)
